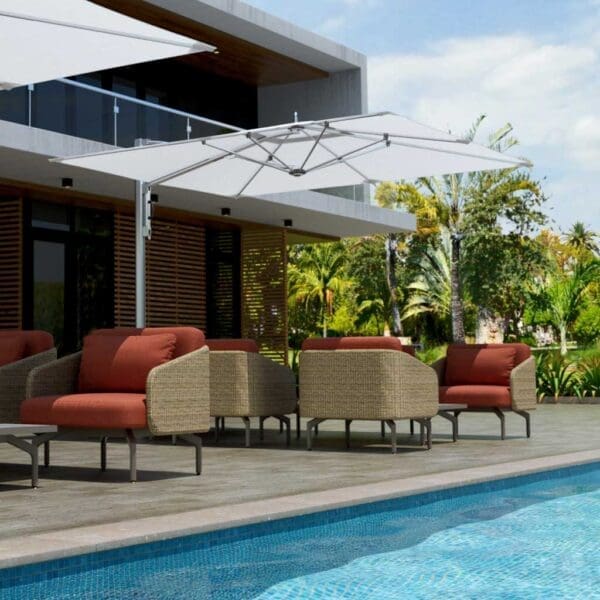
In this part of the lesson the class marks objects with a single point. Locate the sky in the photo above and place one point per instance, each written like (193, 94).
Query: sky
(532, 63)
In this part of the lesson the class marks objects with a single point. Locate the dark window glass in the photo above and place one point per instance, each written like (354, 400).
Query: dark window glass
(223, 283)
(49, 216)
(49, 288)
(14, 105)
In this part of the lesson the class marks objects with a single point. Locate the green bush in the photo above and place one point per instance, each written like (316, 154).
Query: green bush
(430, 355)
(588, 378)
(587, 326)
(556, 376)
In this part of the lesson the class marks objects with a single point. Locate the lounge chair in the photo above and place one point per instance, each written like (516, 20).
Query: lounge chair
(245, 384)
(489, 378)
(155, 382)
(369, 378)
(20, 352)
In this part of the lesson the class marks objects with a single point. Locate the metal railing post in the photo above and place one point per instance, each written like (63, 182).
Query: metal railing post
(30, 89)
(115, 115)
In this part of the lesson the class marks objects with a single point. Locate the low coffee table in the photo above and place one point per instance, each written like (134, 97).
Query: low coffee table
(17, 435)
(451, 412)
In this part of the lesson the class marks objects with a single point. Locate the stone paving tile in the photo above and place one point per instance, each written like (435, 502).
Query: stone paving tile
(74, 493)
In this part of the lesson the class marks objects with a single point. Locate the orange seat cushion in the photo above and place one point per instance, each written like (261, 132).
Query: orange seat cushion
(223, 345)
(353, 343)
(466, 365)
(35, 341)
(12, 349)
(93, 411)
(113, 363)
(476, 396)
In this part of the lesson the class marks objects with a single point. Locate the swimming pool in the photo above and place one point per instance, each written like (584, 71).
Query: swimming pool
(536, 536)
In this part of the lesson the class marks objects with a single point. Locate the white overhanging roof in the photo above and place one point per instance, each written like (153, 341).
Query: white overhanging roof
(42, 40)
(300, 156)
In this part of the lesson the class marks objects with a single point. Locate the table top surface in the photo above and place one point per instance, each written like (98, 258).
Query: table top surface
(24, 429)
(452, 407)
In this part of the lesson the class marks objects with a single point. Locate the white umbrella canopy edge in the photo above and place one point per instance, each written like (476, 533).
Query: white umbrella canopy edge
(76, 36)
(300, 156)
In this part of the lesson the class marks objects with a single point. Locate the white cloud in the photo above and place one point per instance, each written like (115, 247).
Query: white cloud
(332, 25)
(550, 92)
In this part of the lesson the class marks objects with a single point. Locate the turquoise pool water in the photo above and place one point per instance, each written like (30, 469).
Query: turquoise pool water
(528, 537)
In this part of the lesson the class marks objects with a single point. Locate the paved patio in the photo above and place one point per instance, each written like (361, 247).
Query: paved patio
(75, 493)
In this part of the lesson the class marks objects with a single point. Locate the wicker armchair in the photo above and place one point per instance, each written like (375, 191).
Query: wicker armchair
(37, 349)
(379, 383)
(245, 384)
(502, 381)
(173, 402)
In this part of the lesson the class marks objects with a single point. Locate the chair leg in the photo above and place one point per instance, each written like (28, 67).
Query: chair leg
(500, 415)
(421, 432)
(316, 429)
(132, 455)
(297, 424)
(47, 454)
(425, 432)
(527, 418)
(392, 425)
(196, 441)
(348, 423)
(222, 424)
(312, 424)
(103, 443)
(412, 427)
(382, 430)
(247, 424)
(216, 430)
(261, 428)
(283, 420)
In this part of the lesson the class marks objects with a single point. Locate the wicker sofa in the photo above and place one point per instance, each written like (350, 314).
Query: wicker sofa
(20, 352)
(489, 378)
(245, 384)
(127, 382)
(368, 378)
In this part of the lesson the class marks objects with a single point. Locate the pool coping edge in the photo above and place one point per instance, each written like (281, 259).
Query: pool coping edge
(65, 543)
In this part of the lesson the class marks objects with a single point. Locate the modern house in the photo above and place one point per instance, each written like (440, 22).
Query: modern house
(67, 252)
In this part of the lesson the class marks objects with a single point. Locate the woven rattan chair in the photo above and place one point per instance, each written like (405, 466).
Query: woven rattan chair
(36, 348)
(365, 379)
(245, 384)
(492, 378)
(175, 401)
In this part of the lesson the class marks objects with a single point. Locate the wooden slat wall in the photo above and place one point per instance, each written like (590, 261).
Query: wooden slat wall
(175, 273)
(11, 259)
(264, 290)
(124, 274)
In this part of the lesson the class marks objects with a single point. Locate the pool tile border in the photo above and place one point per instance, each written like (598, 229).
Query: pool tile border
(68, 543)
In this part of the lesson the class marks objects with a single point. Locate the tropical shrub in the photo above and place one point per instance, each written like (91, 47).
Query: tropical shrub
(588, 378)
(556, 376)
(587, 326)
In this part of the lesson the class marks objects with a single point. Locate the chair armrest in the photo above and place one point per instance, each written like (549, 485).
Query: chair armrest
(272, 386)
(523, 385)
(366, 384)
(439, 366)
(13, 383)
(178, 395)
(55, 378)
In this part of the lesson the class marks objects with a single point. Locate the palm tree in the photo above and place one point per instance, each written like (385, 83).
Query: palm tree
(563, 295)
(431, 291)
(453, 193)
(317, 275)
(581, 239)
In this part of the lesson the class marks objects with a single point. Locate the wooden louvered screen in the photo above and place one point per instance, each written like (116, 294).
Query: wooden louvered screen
(175, 273)
(124, 274)
(264, 290)
(11, 259)
(223, 269)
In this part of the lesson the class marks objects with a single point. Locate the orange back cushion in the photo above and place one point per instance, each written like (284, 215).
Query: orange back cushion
(113, 363)
(479, 365)
(243, 345)
(12, 349)
(34, 341)
(188, 339)
(353, 343)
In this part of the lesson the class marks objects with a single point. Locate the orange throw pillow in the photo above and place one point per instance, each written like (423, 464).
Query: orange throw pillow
(12, 349)
(479, 366)
(224, 345)
(353, 343)
(113, 363)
